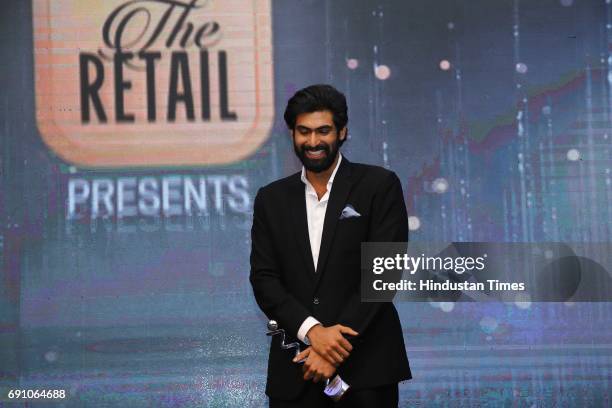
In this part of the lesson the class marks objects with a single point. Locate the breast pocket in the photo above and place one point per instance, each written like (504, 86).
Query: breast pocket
(350, 232)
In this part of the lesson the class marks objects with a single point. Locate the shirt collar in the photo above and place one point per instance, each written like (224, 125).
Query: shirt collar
(331, 178)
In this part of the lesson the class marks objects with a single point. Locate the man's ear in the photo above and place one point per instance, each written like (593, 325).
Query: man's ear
(343, 133)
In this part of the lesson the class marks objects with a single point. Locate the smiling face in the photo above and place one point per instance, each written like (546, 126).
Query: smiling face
(316, 140)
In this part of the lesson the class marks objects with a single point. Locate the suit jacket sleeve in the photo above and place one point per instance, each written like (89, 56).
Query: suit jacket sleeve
(265, 276)
(388, 223)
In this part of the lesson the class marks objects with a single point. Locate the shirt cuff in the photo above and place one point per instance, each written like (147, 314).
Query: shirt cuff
(303, 330)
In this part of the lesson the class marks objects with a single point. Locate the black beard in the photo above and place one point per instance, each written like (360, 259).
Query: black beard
(317, 165)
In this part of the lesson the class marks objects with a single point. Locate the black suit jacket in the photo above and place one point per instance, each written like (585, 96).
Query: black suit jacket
(288, 290)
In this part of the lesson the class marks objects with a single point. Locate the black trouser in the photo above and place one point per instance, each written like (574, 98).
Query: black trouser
(384, 397)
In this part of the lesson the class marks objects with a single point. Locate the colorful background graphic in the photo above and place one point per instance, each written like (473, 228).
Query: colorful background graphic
(497, 117)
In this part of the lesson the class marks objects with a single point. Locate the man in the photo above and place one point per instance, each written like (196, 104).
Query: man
(305, 264)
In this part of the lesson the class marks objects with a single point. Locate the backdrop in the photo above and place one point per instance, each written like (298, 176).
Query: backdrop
(134, 137)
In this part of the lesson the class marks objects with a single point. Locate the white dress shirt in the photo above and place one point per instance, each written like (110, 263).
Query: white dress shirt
(315, 214)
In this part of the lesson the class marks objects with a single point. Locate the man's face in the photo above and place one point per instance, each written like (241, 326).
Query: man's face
(315, 140)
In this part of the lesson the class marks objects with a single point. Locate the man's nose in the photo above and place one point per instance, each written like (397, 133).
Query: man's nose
(313, 138)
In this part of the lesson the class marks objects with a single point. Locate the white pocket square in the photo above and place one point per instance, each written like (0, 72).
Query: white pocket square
(349, 212)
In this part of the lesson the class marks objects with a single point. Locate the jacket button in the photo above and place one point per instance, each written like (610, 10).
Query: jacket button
(315, 301)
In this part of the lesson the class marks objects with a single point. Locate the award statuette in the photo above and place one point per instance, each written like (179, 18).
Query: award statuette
(334, 388)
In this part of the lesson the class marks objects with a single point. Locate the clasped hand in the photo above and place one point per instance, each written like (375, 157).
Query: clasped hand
(328, 350)
(315, 367)
(330, 343)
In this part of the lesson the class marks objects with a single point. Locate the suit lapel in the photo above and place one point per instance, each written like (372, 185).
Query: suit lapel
(298, 206)
(341, 187)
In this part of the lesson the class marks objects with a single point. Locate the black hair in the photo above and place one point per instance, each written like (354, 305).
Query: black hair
(317, 98)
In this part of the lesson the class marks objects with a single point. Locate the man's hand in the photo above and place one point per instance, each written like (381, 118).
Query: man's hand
(329, 343)
(315, 367)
